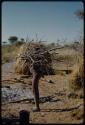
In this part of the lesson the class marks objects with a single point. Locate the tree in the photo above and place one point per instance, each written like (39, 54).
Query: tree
(4, 42)
(52, 44)
(22, 39)
(13, 39)
(80, 14)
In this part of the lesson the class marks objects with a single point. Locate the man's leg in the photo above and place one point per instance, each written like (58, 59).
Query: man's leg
(35, 83)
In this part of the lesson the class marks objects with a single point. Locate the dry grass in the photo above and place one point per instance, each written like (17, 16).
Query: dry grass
(77, 76)
(9, 52)
(22, 67)
(78, 114)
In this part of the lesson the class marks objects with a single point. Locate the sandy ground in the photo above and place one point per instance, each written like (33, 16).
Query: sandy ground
(58, 108)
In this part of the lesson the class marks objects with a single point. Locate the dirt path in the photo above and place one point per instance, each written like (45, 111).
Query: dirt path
(56, 107)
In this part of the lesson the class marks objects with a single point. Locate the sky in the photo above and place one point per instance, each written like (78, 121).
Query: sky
(49, 20)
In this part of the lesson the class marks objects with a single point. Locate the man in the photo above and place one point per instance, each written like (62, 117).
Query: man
(36, 70)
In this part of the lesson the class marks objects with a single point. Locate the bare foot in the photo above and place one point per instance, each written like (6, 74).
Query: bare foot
(36, 109)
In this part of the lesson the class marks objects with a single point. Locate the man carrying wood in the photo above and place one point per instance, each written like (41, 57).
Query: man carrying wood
(40, 60)
(37, 71)
(38, 68)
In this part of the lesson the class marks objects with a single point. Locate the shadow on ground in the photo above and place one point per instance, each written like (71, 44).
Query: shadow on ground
(22, 120)
(61, 110)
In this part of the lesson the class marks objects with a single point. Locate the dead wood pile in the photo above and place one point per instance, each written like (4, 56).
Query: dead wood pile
(33, 49)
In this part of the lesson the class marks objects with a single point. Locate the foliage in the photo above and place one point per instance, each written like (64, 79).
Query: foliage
(80, 14)
(19, 43)
(12, 39)
(22, 40)
(4, 42)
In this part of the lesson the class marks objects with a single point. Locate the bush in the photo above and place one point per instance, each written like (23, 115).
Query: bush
(19, 43)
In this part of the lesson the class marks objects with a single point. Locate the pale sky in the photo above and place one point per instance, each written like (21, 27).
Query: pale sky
(50, 20)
